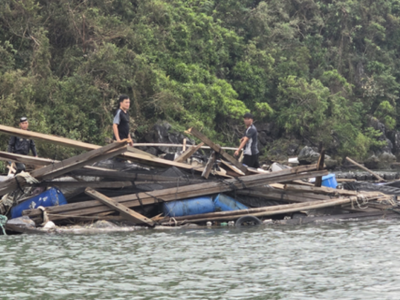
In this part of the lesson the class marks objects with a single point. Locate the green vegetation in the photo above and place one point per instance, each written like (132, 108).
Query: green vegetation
(315, 68)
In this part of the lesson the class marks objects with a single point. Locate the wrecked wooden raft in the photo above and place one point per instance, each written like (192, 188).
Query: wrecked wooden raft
(194, 190)
(135, 196)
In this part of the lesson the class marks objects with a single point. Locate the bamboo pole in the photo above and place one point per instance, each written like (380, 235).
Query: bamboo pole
(366, 169)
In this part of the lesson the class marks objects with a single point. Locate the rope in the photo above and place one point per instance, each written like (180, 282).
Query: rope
(158, 199)
(364, 202)
(19, 186)
(393, 210)
(3, 221)
(241, 181)
(140, 200)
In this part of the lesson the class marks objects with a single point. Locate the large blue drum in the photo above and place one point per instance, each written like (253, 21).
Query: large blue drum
(51, 197)
(195, 206)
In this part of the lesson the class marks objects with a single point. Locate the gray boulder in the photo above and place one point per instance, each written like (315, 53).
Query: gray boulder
(380, 161)
(309, 156)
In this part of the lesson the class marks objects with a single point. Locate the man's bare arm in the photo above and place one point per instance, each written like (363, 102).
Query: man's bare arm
(244, 142)
(116, 134)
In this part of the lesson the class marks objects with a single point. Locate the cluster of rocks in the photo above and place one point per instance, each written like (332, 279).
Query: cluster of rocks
(362, 176)
(161, 133)
(383, 157)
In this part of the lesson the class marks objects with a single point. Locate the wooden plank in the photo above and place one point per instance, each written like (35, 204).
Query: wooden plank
(218, 149)
(11, 169)
(188, 153)
(209, 166)
(194, 190)
(88, 170)
(25, 159)
(64, 170)
(299, 182)
(138, 151)
(366, 169)
(156, 161)
(319, 190)
(177, 146)
(66, 165)
(339, 180)
(184, 145)
(126, 212)
(84, 184)
(320, 166)
(282, 196)
(108, 173)
(233, 168)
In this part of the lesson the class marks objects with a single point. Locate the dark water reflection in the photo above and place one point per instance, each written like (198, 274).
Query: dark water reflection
(346, 261)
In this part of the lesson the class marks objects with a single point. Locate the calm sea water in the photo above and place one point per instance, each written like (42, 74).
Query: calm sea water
(342, 261)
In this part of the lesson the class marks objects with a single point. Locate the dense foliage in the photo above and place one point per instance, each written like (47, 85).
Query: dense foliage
(317, 69)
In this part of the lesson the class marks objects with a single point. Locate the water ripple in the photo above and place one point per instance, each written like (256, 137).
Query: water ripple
(342, 261)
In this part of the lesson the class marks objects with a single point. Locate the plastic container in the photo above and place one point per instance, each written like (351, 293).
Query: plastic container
(51, 197)
(329, 181)
(199, 205)
(225, 203)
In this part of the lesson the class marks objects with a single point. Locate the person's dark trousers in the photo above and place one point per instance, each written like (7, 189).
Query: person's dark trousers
(19, 168)
(251, 161)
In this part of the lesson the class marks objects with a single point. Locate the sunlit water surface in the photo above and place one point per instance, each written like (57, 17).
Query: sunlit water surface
(342, 261)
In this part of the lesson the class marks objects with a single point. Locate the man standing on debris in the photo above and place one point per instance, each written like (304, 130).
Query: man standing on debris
(121, 120)
(249, 143)
(19, 145)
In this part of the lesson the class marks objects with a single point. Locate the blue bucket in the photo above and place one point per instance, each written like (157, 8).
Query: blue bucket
(195, 206)
(225, 203)
(329, 181)
(51, 197)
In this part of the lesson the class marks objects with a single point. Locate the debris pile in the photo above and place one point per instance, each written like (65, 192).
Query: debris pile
(121, 185)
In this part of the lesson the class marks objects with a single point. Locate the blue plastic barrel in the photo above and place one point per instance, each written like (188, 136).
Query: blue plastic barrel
(225, 203)
(329, 181)
(51, 197)
(195, 206)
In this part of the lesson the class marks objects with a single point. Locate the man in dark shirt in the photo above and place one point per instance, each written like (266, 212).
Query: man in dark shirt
(249, 143)
(121, 120)
(19, 145)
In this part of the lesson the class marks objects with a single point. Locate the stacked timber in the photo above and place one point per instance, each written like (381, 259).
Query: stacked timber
(138, 185)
